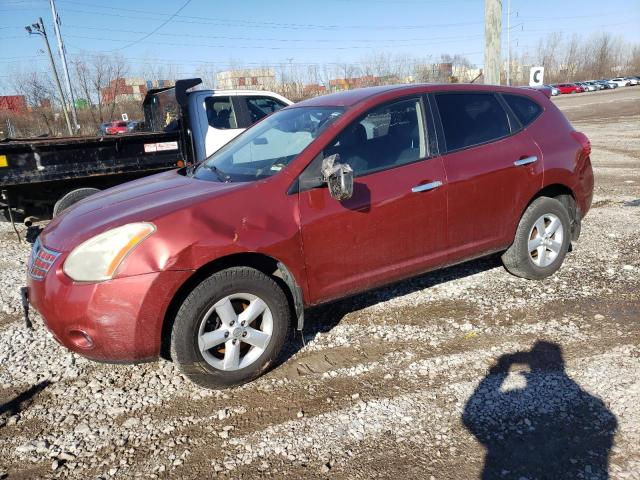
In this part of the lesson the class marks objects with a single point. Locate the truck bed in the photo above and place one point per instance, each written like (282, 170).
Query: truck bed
(53, 159)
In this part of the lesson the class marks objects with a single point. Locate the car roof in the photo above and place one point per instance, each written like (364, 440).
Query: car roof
(349, 98)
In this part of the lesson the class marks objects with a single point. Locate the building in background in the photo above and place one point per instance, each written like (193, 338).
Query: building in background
(131, 89)
(313, 90)
(13, 103)
(250, 79)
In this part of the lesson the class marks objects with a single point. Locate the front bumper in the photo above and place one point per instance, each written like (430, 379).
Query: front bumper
(118, 321)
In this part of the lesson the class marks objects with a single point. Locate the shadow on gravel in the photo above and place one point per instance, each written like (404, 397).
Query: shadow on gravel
(15, 406)
(537, 423)
(323, 318)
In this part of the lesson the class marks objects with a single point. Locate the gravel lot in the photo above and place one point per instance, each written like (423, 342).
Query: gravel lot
(420, 379)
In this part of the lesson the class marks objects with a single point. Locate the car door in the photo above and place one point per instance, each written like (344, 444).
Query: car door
(492, 168)
(222, 122)
(394, 225)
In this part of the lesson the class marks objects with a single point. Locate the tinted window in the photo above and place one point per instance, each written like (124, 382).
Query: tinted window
(471, 118)
(260, 107)
(525, 109)
(220, 112)
(387, 136)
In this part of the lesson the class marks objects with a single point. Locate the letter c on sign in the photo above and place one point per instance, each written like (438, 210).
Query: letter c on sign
(536, 76)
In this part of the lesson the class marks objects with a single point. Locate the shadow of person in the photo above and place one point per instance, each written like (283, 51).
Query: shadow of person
(548, 428)
(16, 405)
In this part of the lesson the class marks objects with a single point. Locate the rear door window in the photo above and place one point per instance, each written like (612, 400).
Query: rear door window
(525, 109)
(220, 113)
(470, 119)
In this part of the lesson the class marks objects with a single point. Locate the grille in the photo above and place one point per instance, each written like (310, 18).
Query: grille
(41, 260)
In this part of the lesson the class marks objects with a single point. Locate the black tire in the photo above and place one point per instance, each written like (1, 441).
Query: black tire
(72, 197)
(517, 259)
(184, 335)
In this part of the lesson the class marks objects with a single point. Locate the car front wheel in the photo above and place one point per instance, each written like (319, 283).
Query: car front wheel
(231, 328)
(541, 241)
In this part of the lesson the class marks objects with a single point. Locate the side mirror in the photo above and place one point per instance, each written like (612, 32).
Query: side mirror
(338, 176)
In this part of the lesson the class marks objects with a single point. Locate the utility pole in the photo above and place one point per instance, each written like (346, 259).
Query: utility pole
(38, 29)
(508, 41)
(492, 38)
(63, 58)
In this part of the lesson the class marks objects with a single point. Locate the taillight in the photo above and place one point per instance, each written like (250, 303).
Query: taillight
(584, 142)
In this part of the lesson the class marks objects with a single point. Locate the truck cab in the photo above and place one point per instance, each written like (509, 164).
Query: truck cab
(218, 116)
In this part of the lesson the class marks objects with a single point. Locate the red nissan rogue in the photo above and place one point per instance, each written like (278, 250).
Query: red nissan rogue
(211, 265)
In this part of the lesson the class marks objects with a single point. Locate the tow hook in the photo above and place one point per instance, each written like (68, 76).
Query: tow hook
(24, 295)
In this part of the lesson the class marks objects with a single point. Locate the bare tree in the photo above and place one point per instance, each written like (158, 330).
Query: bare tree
(208, 74)
(100, 79)
(40, 95)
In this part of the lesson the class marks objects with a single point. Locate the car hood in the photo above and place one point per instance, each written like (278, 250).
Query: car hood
(142, 200)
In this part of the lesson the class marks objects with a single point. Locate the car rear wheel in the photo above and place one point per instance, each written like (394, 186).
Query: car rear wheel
(231, 328)
(541, 241)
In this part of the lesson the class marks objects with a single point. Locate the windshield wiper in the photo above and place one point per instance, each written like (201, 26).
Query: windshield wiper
(219, 173)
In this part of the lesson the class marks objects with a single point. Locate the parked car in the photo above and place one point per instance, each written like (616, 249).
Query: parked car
(587, 87)
(117, 127)
(554, 91)
(620, 81)
(601, 85)
(102, 129)
(632, 80)
(210, 265)
(566, 88)
(134, 126)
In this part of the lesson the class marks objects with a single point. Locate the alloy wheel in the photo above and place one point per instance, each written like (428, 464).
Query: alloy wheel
(545, 240)
(235, 331)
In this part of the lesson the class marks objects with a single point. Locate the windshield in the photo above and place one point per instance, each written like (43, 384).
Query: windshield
(269, 146)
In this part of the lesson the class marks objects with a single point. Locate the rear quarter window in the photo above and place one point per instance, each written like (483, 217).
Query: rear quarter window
(525, 109)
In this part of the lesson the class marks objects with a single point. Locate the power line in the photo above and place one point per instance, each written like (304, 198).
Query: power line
(262, 24)
(284, 40)
(158, 27)
(265, 24)
(265, 47)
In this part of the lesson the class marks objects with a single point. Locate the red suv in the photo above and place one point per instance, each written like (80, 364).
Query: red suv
(323, 199)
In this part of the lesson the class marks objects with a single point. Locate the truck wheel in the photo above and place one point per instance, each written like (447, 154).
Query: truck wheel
(541, 242)
(72, 197)
(231, 328)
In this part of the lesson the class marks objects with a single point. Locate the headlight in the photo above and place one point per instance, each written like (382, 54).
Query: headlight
(98, 258)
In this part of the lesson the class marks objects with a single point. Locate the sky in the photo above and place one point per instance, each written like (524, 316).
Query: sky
(302, 32)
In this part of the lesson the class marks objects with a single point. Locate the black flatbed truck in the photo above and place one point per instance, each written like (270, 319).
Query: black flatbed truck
(41, 176)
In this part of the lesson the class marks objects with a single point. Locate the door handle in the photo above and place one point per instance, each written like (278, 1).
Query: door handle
(426, 186)
(525, 161)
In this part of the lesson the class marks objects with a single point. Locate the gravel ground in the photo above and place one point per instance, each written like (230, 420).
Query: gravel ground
(438, 377)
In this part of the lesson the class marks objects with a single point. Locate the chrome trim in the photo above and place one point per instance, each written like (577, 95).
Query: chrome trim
(525, 161)
(426, 186)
